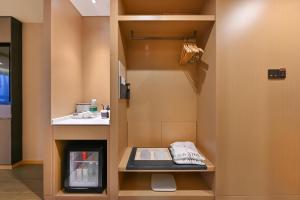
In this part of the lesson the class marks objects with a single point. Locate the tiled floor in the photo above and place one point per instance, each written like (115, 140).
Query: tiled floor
(22, 183)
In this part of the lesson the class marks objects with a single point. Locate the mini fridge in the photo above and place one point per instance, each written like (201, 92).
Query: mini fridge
(85, 168)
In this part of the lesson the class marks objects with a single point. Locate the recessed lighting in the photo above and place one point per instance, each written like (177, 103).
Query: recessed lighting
(1, 63)
(94, 1)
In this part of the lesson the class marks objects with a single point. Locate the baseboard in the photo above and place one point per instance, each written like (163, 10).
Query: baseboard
(17, 164)
(23, 162)
(6, 166)
(48, 197)
(32, 162)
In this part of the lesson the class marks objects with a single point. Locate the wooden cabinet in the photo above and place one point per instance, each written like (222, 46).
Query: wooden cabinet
(62, 136)
(189, 186)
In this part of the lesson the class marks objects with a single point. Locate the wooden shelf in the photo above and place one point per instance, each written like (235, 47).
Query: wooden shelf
(190, 186)
(78, 196)
(186, 7)
(166, 26)
(184, 194)
(125, 158)
(210, 18)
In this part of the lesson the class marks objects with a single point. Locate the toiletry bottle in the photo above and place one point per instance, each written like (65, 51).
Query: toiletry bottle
(90, 172)
(79, 174)
(93, 107)
(85, 175)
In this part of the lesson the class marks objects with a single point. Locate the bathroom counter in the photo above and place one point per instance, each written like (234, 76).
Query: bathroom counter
(69, 121)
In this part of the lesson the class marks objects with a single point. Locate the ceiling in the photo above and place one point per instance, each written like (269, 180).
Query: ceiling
(28, 11)
(88, 8)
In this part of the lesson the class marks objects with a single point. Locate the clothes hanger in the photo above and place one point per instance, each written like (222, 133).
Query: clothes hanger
(191, 53)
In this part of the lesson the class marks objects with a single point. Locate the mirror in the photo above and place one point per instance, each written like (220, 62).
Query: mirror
(4, 74)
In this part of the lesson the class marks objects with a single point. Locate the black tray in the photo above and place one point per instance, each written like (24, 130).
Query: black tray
(158, 165)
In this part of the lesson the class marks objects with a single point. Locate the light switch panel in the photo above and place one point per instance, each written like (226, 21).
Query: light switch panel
(277, 74)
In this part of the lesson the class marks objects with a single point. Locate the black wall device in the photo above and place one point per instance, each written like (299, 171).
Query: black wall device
(277, 74)
(124, 90)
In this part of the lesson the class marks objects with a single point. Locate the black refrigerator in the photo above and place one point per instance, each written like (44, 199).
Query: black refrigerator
(85, 168)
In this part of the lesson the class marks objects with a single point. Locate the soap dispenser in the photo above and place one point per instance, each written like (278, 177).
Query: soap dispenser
(93, 107)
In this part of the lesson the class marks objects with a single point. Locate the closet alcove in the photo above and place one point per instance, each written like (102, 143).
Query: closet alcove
(169, 102)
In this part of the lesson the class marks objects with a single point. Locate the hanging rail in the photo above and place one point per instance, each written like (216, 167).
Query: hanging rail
(134, 37)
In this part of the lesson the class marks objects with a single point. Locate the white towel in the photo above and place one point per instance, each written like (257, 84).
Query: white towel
(189, 162)
(186, 153)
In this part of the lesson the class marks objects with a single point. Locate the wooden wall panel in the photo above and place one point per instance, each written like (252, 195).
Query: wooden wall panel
(209, 7)
(118, 127)
(47, 132)
(206, 100)
(161, 96)
(156, 7)
(80, 132)
(123, 132)
(257, 122)
(35, 92)
(96, 59)
(122, 103)
(157, 96)
(144, 134)
(178, 131)
(66, 59)
(159, 133)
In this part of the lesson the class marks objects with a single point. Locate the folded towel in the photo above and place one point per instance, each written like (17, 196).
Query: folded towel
(181, 153)
(189, 162)
(186, 153)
